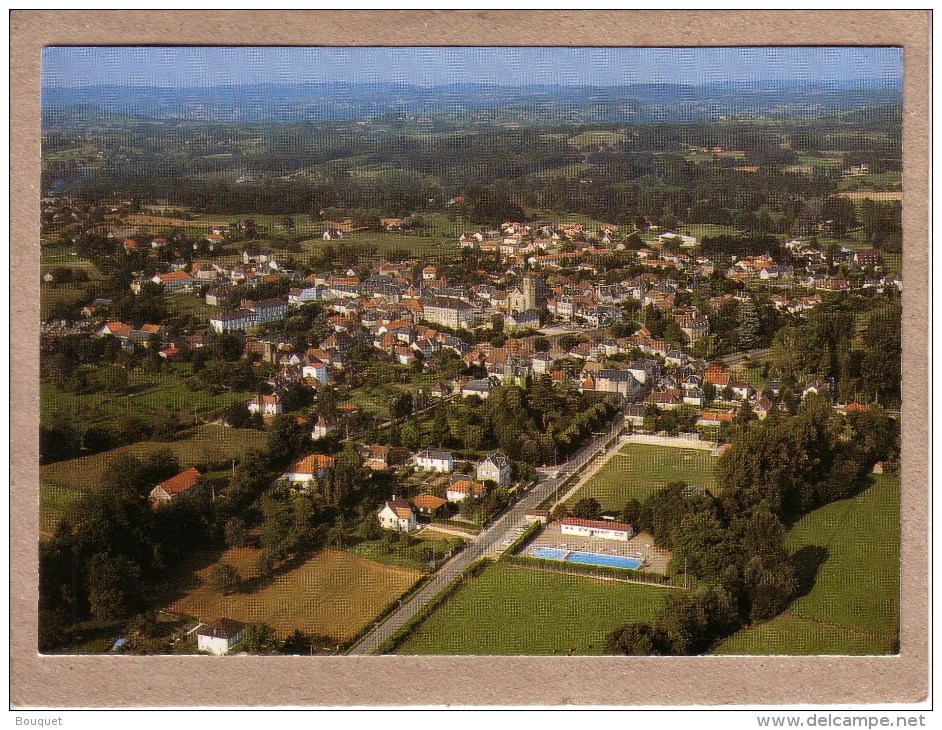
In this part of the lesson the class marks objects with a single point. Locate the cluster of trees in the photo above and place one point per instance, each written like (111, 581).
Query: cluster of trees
(110, 546)
(851, 342)
(539, 425)
(733, 546)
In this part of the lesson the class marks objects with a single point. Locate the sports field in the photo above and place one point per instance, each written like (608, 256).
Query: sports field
(332, 594)
(853, 607)
(513, 610)
(638, 470)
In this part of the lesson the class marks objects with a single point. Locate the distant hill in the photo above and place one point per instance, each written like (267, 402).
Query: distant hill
(338, 101)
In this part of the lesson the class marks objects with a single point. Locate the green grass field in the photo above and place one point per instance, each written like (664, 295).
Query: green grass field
(430, 245)
(853, 607)
(512, 610)
(146, 396)
(62, 482)
(192, 304)
(639, 470)
(699, 230)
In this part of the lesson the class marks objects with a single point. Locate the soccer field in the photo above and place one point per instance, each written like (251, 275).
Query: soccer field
(853, 607)
(513, 610)
(639, 470)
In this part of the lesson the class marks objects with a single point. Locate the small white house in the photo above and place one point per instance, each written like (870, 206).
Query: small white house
(494, 467)
(461, 489)
(306, 470)
(219, 636)
(397, 515)
(596, 528)
(322, 428)
(267, 405)
(434, 460)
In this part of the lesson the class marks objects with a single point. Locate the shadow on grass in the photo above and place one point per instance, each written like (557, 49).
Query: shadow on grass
(181, 579)
(807, 562)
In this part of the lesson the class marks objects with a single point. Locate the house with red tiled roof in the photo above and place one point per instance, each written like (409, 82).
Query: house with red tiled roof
(171, 488)
(397, 515)
(714, 418)
(267, 405)
(428, 504)
(461, 489)
(314, 466)
(174, 282)
(716, 375)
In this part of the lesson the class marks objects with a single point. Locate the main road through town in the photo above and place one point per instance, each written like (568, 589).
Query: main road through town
(488, 543)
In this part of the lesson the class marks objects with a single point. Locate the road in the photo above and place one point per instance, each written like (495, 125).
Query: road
(488, 543)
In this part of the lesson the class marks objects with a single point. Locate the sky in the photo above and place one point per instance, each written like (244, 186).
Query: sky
(214, 66)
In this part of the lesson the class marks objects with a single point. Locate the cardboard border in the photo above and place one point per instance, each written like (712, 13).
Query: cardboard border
(78, 681)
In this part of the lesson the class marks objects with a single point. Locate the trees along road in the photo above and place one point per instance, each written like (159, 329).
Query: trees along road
(488, 543)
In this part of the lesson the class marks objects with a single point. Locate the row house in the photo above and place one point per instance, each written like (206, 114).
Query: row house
(238, 320)
(266, 310)
(299, 296)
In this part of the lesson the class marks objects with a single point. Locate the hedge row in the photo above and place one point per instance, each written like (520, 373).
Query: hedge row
(524, 538)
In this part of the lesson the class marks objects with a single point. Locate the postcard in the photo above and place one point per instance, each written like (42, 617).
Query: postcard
(370, 354)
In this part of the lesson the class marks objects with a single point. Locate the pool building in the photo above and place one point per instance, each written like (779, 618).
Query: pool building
(604, 529)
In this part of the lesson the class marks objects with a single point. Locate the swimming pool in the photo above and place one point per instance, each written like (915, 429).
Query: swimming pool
(576, 556)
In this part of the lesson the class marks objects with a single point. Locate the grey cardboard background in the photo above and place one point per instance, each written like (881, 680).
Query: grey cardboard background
(76, 681)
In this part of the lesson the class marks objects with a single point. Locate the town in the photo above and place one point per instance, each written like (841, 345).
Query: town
(338, 429)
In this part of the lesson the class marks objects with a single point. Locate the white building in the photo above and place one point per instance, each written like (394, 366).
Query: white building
(448, 311)
(236, 320)
(494, 467)
(461, 489)
(322, 428)
(596, 528)
(267, 405)
(434, 460)
(317, 370)
(299, 296)
(219, 636)
(397, 515)
(306, 470)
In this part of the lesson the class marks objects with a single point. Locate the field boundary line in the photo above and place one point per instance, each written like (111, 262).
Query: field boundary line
(590, 576)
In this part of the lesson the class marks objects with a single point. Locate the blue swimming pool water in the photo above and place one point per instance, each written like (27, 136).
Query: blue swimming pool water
(549, 553)
(575, 556)
(612, 561)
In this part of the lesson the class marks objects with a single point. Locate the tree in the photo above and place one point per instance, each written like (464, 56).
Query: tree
(401, 406)
(287, 439)
(238, 416)
(587, 508)
(744, 414)
(441, 429)
(411, 436)
(114, 585)
(637, 639)
(632, 512)
(748, 325)
(225, 579)
(235, 532)
(259, 638)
